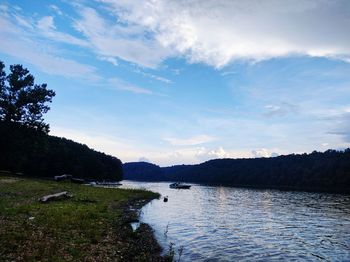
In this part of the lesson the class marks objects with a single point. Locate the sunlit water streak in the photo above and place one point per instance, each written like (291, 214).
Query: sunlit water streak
(230, 224)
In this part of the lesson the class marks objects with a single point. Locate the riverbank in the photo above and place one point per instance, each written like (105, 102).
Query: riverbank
(93, 225)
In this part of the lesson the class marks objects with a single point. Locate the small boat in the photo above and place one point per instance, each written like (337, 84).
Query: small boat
(178, 185)
(63, 177)
(77, 180)
(105, 183)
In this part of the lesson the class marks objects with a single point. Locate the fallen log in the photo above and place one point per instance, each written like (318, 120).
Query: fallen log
(57, 196)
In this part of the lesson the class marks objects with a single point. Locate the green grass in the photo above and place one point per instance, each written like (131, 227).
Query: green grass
(87, 227)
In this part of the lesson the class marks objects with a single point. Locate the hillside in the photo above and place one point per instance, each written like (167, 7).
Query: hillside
(34, 153)
(142, 171)
(328, 171)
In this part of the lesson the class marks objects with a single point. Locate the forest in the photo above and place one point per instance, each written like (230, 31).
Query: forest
(317, 171)
(25, 144)
(34, 153)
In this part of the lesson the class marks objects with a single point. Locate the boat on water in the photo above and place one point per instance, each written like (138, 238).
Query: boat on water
(77, 180)
(104, 183)
(178, 185)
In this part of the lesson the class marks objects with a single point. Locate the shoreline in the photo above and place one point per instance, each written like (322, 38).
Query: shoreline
(144, 233)
(93, 225)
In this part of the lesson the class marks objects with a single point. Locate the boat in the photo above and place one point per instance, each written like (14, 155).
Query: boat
(178, 185)
(105, 183)
(77, 180)
(63, 177)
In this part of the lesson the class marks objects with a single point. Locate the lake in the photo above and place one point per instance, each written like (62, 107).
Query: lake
(213, 223)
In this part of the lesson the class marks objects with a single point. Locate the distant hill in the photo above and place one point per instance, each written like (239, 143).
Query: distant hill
(142, 171)
(328, 171)
(34, 153)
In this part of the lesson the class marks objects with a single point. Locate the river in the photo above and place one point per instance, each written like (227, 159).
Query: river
(213, 223)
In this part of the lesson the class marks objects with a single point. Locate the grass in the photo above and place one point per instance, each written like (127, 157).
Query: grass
(91, 226)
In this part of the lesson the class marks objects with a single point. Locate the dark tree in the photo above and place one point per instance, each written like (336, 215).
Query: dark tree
(21, 100)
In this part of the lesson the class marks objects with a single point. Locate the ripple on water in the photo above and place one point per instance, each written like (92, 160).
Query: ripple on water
(227, 224)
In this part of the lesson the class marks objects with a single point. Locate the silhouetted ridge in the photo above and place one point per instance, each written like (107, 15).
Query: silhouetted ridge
(328, 171)
(142, 171)
(34, 153)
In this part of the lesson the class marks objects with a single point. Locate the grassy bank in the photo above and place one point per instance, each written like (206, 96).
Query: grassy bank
(93, 225)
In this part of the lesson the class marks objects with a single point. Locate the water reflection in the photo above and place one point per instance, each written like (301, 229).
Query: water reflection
(229, 224)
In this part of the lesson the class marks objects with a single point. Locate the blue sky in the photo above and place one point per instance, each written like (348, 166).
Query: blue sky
(176, 82)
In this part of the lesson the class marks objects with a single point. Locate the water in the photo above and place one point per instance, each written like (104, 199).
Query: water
(230, 224)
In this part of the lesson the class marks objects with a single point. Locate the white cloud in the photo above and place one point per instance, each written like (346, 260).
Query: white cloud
(204, 154)
(152, 76)
(144, 159)
(47, 28)
(19, 39)
(46, 23)
(112, 60)
(215, 33)
(195, 140)
(218, 32)
(281, 109)
(114, 40)
(263, 152)
(56, 9)
(17, 43)
(125, 86)
(22, 21)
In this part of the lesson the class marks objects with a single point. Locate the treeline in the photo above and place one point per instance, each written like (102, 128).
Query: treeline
(34, 153)
(328, 171)
(143, 171)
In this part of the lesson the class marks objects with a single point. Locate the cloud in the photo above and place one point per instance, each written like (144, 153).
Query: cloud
(263, 152)
(280, 110)
(125, 86)
(342, 127)
(219, 32)
(46, 27)
(112, 60)
(19, 43)
(23, 21)
(204, 154)
(114, 40)
(144, 159)
(46, 23)
(195, 140)
(56, 9)
(152, 76)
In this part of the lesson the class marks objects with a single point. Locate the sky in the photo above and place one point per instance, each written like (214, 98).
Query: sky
(182, 82)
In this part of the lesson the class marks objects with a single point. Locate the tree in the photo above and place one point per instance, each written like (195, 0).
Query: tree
(21, 100)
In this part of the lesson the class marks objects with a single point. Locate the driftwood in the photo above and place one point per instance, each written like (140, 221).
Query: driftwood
(57, 196)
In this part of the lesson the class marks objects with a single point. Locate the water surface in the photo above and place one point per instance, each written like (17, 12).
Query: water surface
(230, 224)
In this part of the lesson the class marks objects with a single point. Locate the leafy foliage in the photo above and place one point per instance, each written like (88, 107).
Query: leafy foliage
(21, 100)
